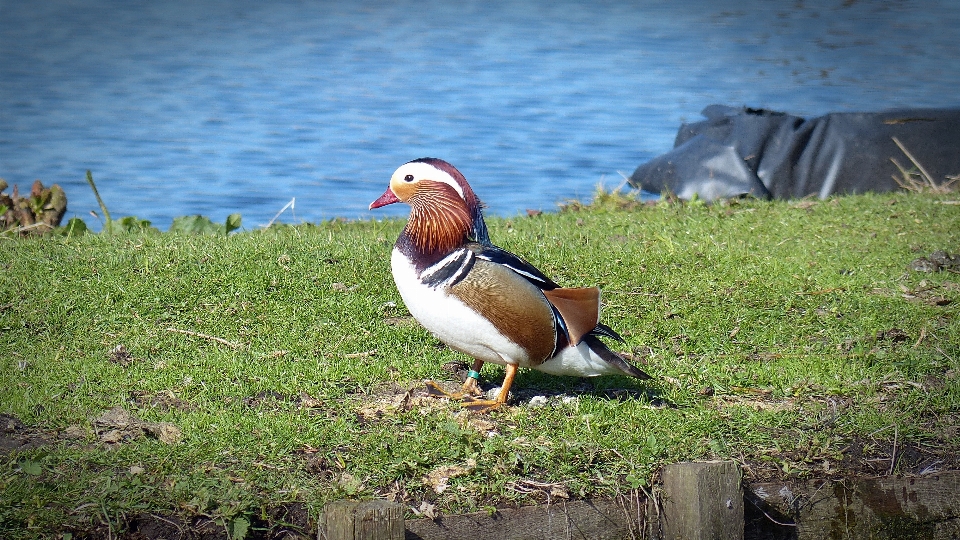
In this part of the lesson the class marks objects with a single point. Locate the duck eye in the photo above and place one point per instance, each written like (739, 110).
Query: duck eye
(408, 178)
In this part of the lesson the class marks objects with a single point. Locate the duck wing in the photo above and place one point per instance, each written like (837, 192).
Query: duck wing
(577, 309)
(501, 256)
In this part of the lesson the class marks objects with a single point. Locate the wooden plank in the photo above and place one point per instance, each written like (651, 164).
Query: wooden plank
(337, 520)
(378, 520)
(852, 509)
(366, 520)
(607, 519)
(702, 501)
(855, 509)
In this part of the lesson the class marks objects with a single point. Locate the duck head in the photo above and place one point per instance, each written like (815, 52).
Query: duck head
(445, 212)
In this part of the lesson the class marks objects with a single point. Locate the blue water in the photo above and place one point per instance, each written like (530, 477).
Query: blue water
(240, 106)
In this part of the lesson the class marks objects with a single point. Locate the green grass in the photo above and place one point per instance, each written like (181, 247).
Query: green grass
(758, 320)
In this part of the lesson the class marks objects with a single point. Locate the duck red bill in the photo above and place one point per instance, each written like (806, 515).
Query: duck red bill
(387, 198)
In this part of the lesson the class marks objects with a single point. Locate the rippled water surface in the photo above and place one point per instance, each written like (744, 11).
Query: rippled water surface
(218, 107)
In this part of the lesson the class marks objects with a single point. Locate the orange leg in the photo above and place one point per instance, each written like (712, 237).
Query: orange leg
(486, 405)
(507, 383)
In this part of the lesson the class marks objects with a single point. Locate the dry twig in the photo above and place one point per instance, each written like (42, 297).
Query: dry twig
(909, 183)
(222, 341)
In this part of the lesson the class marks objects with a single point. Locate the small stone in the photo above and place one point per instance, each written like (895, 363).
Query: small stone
(538, 401)
(493, 393)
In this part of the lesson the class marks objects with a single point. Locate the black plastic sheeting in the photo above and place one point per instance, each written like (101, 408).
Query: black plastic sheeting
(743, 151)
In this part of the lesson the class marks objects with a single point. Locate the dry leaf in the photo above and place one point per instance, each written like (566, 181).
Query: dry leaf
(438, 478)
(165, 432)
(426, 510)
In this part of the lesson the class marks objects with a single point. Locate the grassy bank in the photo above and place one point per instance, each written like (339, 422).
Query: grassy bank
(271, 371)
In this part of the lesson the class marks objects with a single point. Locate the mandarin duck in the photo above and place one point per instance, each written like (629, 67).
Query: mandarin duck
(484, 301)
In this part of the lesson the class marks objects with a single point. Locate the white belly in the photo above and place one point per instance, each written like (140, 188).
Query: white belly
(578, 361)
(455, 324)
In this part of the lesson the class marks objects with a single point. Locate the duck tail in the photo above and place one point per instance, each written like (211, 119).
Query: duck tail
(611, 357)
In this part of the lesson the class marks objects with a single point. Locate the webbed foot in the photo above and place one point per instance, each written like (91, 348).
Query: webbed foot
(482, 406)
(470, 396)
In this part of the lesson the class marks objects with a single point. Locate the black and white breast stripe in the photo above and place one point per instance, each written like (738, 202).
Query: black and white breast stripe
(449, 270)
(454, 267)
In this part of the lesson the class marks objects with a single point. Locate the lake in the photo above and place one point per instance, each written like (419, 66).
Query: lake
(217, 107)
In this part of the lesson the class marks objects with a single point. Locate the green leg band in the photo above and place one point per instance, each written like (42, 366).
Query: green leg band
(473, 374)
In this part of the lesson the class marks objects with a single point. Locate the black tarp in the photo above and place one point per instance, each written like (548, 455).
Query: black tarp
(743, 151)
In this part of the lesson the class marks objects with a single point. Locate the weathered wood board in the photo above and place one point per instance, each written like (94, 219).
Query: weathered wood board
(702, 501)
(889, 508)
(608, 519)
(926, 507)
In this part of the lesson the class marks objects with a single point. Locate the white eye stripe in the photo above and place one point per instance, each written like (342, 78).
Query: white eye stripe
(425, 171)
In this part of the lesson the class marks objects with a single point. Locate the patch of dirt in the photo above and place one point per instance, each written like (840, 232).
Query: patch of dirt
(265, 398)
(121, 356)
(319, 465)
(405, 322)
(392, 399)
(113, 427)
(893, 335)
(117, 425)
(166, 400)
(154, 527)
(16, 436)
(928, 293)
(287, 522)
(935, 262)
(867, 457)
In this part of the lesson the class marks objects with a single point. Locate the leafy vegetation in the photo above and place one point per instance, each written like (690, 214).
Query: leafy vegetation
(791, 337)
(40, 213)
(37, 212)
